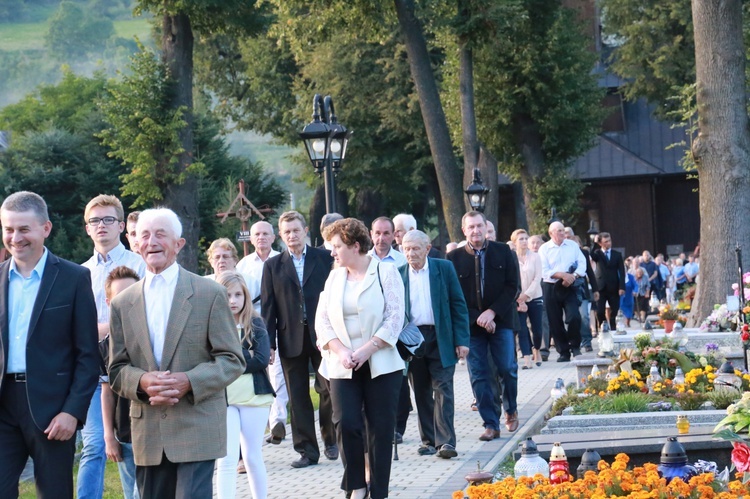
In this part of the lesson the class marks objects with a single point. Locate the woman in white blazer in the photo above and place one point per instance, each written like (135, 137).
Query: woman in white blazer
(359, 317)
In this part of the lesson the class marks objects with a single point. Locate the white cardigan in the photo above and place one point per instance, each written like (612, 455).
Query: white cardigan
(379, 317)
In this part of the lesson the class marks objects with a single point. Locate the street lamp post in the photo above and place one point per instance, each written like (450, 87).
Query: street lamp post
(476, 192)
(325, 141)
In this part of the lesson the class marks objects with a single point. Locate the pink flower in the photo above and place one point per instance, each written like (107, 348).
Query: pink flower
(746, 293)
(746, 278)
(735, 286)
(741, 457)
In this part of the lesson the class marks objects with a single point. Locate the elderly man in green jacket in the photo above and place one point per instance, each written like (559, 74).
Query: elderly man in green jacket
(436, 305)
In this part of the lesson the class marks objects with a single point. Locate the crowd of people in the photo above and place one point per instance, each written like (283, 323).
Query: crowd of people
(174, 375)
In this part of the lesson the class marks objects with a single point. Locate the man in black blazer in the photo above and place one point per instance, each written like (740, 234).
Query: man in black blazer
(610, 276)
(291, 285)
(48, 352)
(491, 301)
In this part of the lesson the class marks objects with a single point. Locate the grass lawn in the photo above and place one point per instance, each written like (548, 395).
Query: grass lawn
(30, 36)
(112, 485)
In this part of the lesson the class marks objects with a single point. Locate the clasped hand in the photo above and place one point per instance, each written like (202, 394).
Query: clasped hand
(165, 387)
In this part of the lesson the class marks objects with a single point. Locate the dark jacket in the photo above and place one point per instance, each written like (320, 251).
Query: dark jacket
(610, 274)
(501, 283)
(256, 354)
(282, 298)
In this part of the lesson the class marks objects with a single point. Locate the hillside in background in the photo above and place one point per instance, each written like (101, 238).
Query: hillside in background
(39, 37)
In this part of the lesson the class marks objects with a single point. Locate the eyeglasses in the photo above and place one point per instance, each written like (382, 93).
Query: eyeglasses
(222, 257)
(93, 222)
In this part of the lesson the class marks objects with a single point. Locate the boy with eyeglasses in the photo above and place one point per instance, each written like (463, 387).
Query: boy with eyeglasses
(104, 220)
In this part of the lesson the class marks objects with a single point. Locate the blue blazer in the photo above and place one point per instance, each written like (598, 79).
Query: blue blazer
(448, 307)
(62, 353)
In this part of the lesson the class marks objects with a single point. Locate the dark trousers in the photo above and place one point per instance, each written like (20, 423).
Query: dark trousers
(20, 438)
(534, 315)
(379, 396)
(169, 480)
(556, 305)
(297, 376)
(433, 393)
(404, 406)
(614, 306)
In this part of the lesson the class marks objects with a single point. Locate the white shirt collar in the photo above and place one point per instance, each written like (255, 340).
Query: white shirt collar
(169, 274)
(38, 268)
(424, 269)
(114, 254)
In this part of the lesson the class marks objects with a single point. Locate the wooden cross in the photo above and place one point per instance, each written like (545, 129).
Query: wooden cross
(244, 212)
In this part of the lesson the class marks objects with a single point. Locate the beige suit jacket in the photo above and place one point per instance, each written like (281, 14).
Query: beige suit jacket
(201, 341)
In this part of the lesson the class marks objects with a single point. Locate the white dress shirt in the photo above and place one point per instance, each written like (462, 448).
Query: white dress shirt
(158, 293)
(252, 266)
(100, 267)
(420, 299)
(395, 257)
(560, 258)
(22, 293)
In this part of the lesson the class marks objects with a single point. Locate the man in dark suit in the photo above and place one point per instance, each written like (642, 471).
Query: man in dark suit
(488, 274)
(610, 275)
(292, 283)
(48, 352)
(435, 304)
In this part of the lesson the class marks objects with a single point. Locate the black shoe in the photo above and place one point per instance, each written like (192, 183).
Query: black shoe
(426, 450)
(545, 358)
(563, 358)
(303, 462)
(331, 453)
(278, 433)
(576, 352)
(447, 451)
(588, 348)
(398, 438)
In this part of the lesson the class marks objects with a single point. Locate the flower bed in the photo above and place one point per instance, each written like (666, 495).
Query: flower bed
(611, 481)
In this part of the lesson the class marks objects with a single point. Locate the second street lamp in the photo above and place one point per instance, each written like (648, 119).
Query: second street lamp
(476, 192)
(325, 140)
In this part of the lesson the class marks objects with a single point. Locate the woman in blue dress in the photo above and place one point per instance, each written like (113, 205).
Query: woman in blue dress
(626, 300)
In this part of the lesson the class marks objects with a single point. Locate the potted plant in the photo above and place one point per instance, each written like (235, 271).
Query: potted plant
(668, 315)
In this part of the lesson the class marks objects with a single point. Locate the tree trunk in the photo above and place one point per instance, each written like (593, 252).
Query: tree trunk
(448, 175)
(475, 154)
(177, 53)
(529, 143)
(722, 149)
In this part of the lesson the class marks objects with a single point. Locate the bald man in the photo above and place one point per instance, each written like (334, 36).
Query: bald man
(563, 265)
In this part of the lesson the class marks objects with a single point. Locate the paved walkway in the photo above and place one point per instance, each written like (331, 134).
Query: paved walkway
(414, 476)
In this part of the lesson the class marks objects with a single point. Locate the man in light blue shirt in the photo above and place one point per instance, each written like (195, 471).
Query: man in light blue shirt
(48, 333)
(382, 233)
(105, 221)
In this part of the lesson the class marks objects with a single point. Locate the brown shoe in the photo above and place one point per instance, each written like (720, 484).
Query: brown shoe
(511, 421)
(489, 434)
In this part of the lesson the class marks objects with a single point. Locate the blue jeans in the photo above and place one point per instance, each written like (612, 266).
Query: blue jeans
(90, 482)
(502, 347)
(585, 324)
(126, 467)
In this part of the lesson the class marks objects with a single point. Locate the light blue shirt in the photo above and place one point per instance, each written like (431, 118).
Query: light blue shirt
(22, 293)
(395, 257)
(100, 268)
(299, 266)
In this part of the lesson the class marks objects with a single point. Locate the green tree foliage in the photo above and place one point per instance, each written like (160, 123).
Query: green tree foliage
(654, 51)
(266, 83)
(55, 154)
(12, 10)
(74, 33)
(143, 130)
(537, 103)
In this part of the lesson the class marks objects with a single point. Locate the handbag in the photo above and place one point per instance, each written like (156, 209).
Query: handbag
(410, 340)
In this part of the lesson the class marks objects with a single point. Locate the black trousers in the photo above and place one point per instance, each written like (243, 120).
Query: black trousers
(169, 480)
(614, 306)
(404, 406)
(297, 376)
(379, 396)
(556, 305)
(433, 393)
(20, 438)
